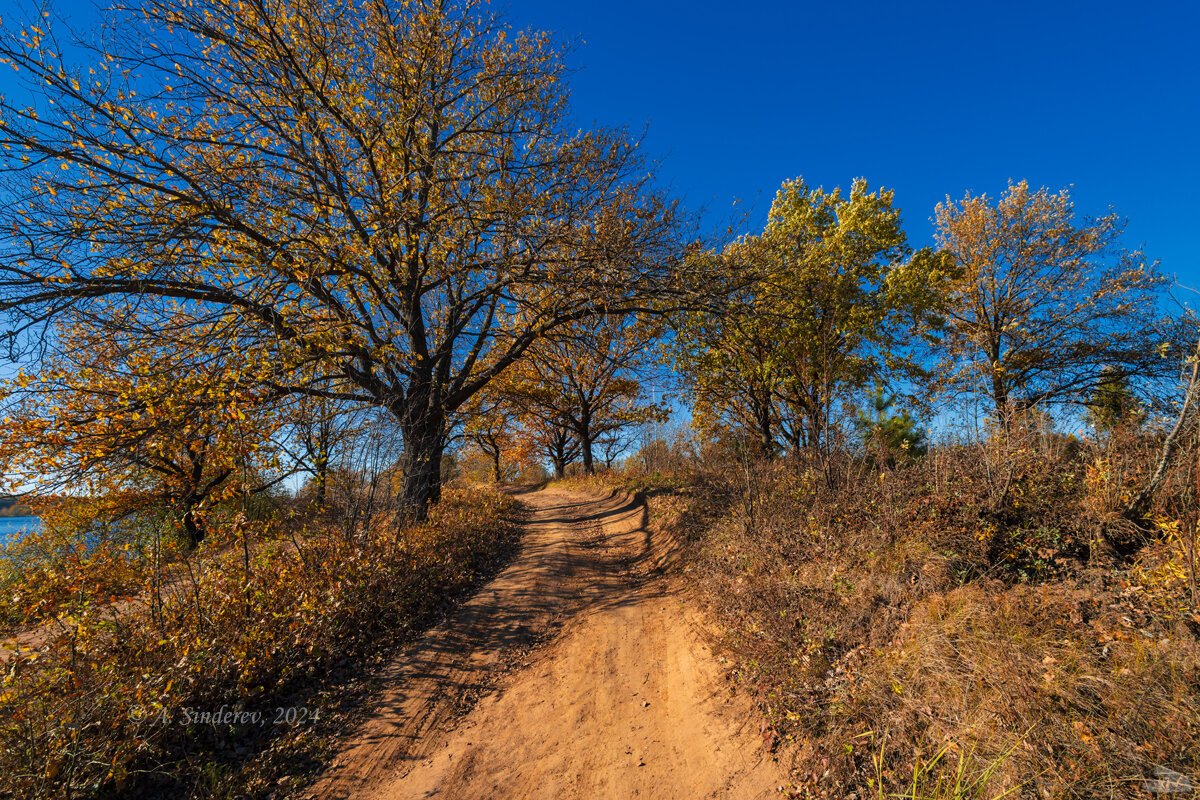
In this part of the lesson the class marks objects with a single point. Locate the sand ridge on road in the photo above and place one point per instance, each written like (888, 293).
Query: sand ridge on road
(626, 701)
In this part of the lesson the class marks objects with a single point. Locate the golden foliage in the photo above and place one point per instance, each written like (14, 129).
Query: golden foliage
(78, 712)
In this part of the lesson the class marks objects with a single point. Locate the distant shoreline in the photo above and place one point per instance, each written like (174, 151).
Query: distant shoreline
(12, 507)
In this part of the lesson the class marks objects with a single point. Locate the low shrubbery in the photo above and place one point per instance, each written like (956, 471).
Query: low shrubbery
(981, 621)
(254, 619)
(70, 562)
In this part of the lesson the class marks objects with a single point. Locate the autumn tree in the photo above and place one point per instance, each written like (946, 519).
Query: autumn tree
(540, 433)
(725, 358)
(838, 297)
(393, 194)
(1045, 307)
(489, 424)
(613, 445)
(588, 376)
(317, 429)
(138, 427)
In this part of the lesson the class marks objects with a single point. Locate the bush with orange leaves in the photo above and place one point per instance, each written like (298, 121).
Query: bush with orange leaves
(93, 707)
(71, 560)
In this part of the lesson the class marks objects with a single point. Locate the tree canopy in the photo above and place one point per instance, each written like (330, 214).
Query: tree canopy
(837, 295)
(589, 376)
(1044, 308)
(137, 424)
(392, 194)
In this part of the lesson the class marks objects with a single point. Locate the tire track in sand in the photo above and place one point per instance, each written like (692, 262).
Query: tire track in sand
(625, 702)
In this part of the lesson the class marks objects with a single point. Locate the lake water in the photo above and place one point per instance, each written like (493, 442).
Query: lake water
(14, 527)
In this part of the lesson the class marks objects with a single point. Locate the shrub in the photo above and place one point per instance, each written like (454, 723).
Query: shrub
(82, 714)
(964, 609)
(70, 563)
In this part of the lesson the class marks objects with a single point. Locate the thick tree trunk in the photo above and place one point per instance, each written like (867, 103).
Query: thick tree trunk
(496, 465)
(765, 440)
(193, 527)
(558, 456)
(317, 449)
(424, 443)
(999, 389)
(558, 452)
(583, 432)
(589, 466)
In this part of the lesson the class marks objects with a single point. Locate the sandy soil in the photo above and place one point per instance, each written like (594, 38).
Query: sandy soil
(622, 699)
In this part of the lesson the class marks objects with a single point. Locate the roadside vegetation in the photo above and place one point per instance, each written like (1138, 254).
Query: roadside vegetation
(288, 286)
(980, 621)
(267, 614)
(912, 632)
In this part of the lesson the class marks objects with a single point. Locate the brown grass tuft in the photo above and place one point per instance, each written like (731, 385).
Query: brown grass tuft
(959, 626)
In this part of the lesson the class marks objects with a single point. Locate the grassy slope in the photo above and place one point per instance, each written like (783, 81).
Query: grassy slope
(84, 714)
(923, 632)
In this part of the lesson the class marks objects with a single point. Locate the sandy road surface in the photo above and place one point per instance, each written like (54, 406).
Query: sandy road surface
(624, 701)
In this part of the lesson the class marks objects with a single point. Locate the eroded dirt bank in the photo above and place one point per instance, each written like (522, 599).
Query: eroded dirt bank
(623, 700)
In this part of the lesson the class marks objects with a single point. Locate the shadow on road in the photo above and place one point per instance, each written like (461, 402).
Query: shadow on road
(581, 555)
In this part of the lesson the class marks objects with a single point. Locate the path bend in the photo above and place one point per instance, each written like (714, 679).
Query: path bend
(624, 699)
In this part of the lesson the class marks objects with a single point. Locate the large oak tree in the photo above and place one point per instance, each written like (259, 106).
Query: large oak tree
(390, 192)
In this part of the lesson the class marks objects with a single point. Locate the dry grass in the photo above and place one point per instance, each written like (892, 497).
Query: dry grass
(97, 710)
(954, 627)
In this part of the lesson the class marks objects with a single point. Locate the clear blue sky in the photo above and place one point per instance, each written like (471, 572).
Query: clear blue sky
(926, 98)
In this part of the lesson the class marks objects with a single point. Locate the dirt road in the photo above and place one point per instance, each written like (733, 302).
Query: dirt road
(622, 700)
